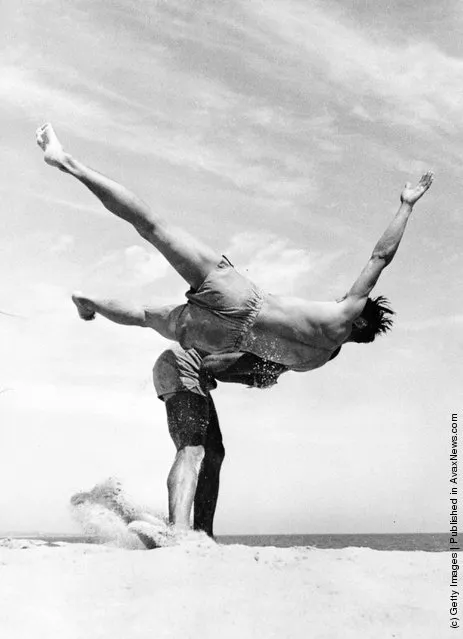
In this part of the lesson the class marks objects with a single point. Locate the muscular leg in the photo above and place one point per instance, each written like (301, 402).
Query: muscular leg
(181, 484)
(192, 259)
(194, 476)
(161, 318)
(207, 490)
(187, 417)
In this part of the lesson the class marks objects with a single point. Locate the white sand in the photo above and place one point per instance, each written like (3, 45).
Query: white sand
(84, 591)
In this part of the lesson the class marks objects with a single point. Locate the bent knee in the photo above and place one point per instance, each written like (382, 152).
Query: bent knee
(192, 454)
(146, 228)
(163, 319)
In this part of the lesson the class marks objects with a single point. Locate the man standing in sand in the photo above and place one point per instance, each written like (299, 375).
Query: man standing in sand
(226, 313)
(184, 383)
(185, 386)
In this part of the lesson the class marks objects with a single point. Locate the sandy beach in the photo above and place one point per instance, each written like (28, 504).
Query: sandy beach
(201, 590)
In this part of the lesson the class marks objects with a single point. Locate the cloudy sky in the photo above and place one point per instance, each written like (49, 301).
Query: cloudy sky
(281, 132)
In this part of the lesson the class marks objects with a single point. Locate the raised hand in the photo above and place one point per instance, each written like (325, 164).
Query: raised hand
(410, 194)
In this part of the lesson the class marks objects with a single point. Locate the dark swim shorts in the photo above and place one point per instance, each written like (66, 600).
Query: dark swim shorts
(178, 370)
(184, 379)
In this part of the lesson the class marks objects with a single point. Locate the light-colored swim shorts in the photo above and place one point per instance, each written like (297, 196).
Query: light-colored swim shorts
(177, 369)
(220, 313)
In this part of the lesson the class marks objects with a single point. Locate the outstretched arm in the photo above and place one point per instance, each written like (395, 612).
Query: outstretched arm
(385, 248)
(118, 312)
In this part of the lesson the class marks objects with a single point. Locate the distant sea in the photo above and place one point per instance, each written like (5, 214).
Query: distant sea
(427, 542)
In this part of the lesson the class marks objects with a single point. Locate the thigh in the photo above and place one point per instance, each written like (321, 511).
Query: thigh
(188, 419)
(190, 257)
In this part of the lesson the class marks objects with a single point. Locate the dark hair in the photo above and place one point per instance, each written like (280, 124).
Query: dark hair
(376, 313)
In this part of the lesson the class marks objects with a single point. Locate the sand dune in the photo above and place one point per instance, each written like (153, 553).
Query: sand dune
(201, 590)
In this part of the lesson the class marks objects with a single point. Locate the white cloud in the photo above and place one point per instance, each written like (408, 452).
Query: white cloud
(201, 124)
(145, 266)
(46, 397)
(128, 269)
(57, 203)
(418, 83)
(361, 112)
(62, 244)
(46, 298)
(441, 322)
(271, 262)
(19, 88)
(278, 265)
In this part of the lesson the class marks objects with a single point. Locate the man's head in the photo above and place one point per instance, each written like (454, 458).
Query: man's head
(374, 320)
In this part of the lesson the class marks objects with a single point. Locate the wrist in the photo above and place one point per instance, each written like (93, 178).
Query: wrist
(405, 207)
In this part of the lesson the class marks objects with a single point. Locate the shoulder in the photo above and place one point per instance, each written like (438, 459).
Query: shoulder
(350, 306)
(336, 321)
(347, 310)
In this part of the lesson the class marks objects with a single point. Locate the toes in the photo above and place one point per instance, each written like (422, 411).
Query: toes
(43, 134)
(41, 130)
(39, 137)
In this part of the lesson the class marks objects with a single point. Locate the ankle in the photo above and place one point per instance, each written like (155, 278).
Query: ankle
(69, 165)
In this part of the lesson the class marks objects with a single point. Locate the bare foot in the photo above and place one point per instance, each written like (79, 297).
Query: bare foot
(84, 308)
(53, 151)
(160, 535)
(411, 195)
(157, 535)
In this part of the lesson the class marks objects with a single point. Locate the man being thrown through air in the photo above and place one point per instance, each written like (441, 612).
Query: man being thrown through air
(227, 315)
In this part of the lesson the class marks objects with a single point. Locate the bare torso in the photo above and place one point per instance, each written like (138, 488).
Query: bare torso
(302, 335)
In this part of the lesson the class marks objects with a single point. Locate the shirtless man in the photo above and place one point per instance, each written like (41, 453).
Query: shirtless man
(226, 313)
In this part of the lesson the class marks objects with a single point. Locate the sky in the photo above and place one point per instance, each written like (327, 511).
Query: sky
(281, 133)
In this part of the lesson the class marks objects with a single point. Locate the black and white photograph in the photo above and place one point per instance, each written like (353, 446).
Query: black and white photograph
(231, 319)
